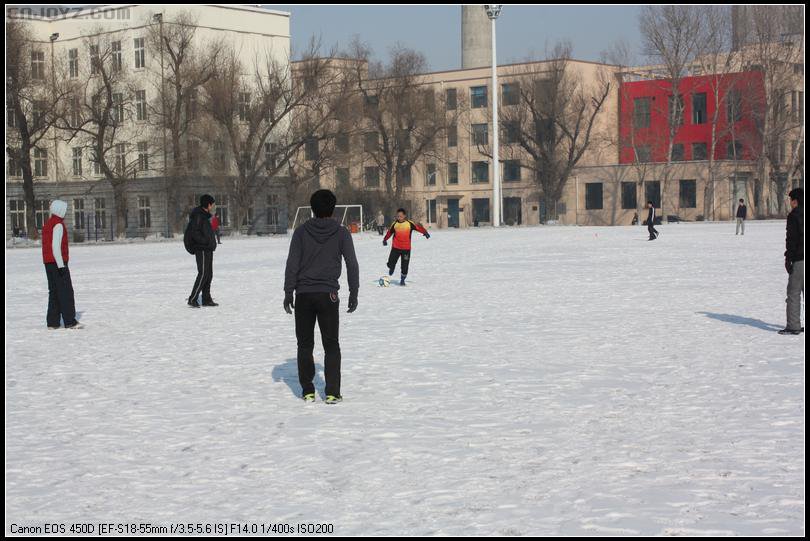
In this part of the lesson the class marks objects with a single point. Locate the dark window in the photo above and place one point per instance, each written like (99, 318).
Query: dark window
(511, 132)
(677, 152)
(593, 196)
(478, 97)
(371, 104)
(544, 129)
(404, 176)
(699, 151)
(372, 177)
(511, 171)
(451, 99)
(480, 134)
(699, 108)
(652, 190)
(431, 211)
(480, 210)
(734, 106)
(371, 141)
(342, 143)
(452, 173)
(641, 112)
(430, 175)
(511, 93)
(404, 139)
(629, 198)
(452, 136)
(312, 151)
(643, 154)
(734, 150)
(342, 177)
(688, 194)
(480, 172)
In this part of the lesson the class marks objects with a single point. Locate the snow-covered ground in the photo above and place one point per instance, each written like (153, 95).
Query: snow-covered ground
(552, 380)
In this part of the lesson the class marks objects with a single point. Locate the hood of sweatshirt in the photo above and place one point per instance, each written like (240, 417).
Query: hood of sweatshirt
(59, 208)
(321, 229)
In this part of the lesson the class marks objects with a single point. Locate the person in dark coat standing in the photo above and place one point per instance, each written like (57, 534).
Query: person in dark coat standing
(651, 221)
(203, 243)
(55, 255)
(742, 214)
(312, 272)
(794, 262)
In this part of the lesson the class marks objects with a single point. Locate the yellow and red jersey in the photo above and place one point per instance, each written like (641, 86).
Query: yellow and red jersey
(402, 232)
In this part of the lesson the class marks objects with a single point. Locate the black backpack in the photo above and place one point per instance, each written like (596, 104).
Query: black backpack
(187, 240)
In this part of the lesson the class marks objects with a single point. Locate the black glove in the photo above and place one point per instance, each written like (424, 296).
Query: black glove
(385, 242)
(427, 235)
(789, 266)
(62, 272)
(352, 302)
(288, 303)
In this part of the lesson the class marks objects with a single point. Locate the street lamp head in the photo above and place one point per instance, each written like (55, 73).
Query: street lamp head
(157, 17)
(493, 10)
(55, 36)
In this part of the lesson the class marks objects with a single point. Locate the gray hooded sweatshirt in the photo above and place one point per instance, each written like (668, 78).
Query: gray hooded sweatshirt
(313, 264)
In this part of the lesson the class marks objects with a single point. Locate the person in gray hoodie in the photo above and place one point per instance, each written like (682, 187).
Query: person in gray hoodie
(312, 273)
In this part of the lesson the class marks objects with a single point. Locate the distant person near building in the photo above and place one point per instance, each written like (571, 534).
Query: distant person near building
(651, 221)
(215, 227)
(742, 214)
(380, 223)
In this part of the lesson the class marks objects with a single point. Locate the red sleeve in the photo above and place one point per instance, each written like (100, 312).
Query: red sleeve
(419, 228)
(389, 233)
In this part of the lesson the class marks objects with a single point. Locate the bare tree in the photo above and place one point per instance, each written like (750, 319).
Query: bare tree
(551, 125)
(34, 98)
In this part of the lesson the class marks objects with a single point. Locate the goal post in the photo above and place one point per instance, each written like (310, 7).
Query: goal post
(346, 215)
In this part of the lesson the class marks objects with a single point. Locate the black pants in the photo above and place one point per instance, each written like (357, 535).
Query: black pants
(323, 308)
(380, 229)
(652, 230)
(394, 256)
(205, 269)
(60, 297)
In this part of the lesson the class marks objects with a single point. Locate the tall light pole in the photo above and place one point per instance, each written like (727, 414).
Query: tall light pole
(493, 10)
(158, 18)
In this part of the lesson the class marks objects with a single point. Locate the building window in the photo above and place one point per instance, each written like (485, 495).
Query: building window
(42, 211)
(643, 154)
(452, 136)
(143, 156)
(699, 151)
(371, 140)
(371, 105)
(270, 160)
(77, 161)
(37, 65)
(480, 210)
(629, 200)
(797, 105)
(78, 214)
(699, 108)
(75, 112)
(478, 97)
(641, 113)
(96, 163)
(593, 196)
(311, 150)
(100, 213)
(480, 172)
(272, 209)
(431, 211)
(117, 59)
(11, 115)
(452, 173)
(140, 104)
(676, 110)
(734, 150)
(430, 174)
(372, 177)
(73, 63)
(342, 143)
(37, 112)
(451, 99)
(511, 171)
(95, 60)
(16, 211)
(144, 212)
(222, 210)
(244, 106)
(247, 221)
(404, 175)
(342, 178)
(677, 152)
(14, 167)
(140, 53)
(734, 106)
(688, 194)
(511, 132)
(40, 162)
(245, 162)
(652, 189)
(120, 158)
(118, 108)
(480, 134)
(404, 139)
(510, 93)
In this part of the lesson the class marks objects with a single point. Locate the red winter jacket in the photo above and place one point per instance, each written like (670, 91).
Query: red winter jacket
(47, 239)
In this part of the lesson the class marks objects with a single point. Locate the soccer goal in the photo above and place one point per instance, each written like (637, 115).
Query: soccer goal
(350, 216)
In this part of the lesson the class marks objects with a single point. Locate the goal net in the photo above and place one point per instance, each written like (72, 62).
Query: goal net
(350, 216)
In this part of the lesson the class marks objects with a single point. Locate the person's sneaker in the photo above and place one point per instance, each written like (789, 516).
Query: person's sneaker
(53, 328)
(792, 331)
(193, 304)
(402, 281)
(331, 399)
(309, 397)
(210, 303)
(76, 325)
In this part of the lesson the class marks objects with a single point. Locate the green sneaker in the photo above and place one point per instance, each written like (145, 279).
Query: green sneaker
(333, 399)
(309, 397)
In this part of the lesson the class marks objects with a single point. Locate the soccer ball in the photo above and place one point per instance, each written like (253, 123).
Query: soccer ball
(385, 281)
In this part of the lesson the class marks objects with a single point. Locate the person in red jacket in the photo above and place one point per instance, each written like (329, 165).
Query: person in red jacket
(215, 227)
(55, 255)
(402, 230)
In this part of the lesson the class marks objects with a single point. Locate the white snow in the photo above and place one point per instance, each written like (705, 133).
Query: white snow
(553, 380)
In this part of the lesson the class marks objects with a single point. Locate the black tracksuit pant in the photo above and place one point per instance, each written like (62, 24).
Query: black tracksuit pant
(394, 256)
(60, 297)
(652, 230)
(205, 269)
(323, 308)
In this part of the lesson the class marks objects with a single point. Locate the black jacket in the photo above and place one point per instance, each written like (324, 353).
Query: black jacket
(313, 264)
(794, 239)
(202, 236)
(742, 212)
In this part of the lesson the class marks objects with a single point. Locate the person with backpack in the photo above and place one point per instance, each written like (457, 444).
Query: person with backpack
(200, 241)
(312, 273)
(55, 255)
(742, 214)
